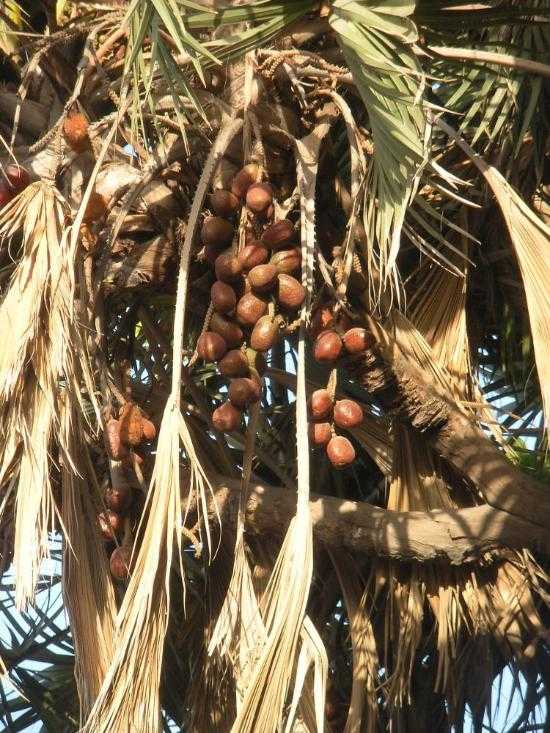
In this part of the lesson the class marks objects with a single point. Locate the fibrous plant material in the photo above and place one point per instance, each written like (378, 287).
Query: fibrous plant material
(129, 697)
(37, 319)
(87, 589)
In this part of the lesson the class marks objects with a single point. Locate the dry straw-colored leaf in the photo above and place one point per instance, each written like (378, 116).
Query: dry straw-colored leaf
(41, 338)
(87, 587)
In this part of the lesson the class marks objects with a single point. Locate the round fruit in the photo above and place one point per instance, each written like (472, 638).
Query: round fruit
(117, 450)
(223, 297)
(328, 346)
(356, 340)
(234, 364)
(244, 179)
(263, 278)
(224, 203)
(244, 391)
(265, 333)
(229, 331)
(217, 232)
(290, 293)
(211, 346)
(348, 414)
(110, 524)
(118, 498)
(250, 309)
(287, 260)
(6, 193)
(320, 433)
(149, 430)
(253, 255)
(259, 197)
(18, 177)
(228, 267)
(75, 131)
(320, 404)
(131, 428)
(120, 562)
(279, 234)
(226, 418)
(340, 451)
(95, 208)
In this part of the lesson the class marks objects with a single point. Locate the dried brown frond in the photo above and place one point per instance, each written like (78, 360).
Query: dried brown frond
(87, 587)
(42, 338)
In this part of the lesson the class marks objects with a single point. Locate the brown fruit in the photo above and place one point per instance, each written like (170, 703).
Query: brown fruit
(117, 450)
(228, 267)
(217, 232)
(95, 208)
(328, 346)
(348, 414)
(229, 331)
(223, 297)
(265, 333)
(234, 364)
(120, 562)
(110, 524)
(149, 430)
(263, 278)
(279, 234)
(75, 131)
(18, 177)
(131, 429)
(244, 391)
(259, 198)
(224, 203)
(253, 255)
(118, 498)
(356, 340)
(320, 404)
(340, 451)
(244, 179)
(290, 293)
(226, 418)
(287, 260)
(250, 309)
(6, 192)
(211, 346)
(319, 433)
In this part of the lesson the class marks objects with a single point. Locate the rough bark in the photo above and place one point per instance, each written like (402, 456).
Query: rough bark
(406, 391)
(451, 537)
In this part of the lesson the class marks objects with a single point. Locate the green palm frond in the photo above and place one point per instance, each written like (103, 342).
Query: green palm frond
(376, 39)
(498, 105)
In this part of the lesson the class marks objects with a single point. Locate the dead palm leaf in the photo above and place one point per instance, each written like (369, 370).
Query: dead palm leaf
(37, 319)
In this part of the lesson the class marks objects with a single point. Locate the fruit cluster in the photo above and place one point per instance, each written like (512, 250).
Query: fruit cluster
(335, 338)
(123, 436)
(254, 291)
(13, 179)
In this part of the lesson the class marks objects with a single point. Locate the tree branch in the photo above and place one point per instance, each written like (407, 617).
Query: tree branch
(404, 389)
(455, 537)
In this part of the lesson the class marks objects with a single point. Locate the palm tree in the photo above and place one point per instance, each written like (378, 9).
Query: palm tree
(275, 365)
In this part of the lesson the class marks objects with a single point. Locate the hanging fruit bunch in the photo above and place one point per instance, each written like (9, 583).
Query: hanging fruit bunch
(334, 338)
(124, 435)
(255, 294)
(13, 179)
